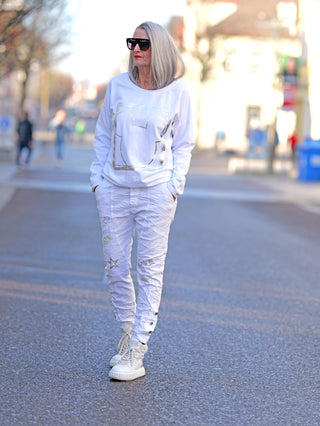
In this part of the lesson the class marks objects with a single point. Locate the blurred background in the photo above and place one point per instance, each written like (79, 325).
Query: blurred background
(253, 68)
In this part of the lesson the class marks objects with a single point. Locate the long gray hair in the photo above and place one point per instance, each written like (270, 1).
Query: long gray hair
(166, 62)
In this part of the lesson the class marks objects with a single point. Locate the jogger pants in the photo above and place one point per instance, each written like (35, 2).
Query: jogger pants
(148, 212)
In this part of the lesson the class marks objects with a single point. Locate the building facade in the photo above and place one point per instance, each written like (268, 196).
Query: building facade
(235, 51)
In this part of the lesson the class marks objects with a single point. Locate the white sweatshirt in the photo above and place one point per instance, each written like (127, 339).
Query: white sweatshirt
(143, 137)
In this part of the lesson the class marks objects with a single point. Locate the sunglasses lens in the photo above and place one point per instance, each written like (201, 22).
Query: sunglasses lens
(144, 44)
(130, 43)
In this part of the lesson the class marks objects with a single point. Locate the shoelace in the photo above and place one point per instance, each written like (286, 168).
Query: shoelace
(123, 342)
(129, 354)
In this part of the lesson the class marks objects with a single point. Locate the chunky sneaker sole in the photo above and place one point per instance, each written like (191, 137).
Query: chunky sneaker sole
(126, 375)
(130, 366)
(115, 359)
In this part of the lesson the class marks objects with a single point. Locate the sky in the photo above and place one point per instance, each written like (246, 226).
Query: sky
(100, 28)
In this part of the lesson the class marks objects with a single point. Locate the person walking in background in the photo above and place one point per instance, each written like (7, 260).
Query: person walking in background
(24, 130)
(142, 146)
(61, 131)
(293, 141)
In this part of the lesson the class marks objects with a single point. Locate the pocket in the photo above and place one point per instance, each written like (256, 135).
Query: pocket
(102, 184)
(99, 188)
(103, 199)
(168, 192)
(172, 203)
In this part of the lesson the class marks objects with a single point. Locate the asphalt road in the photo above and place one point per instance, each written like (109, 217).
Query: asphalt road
(237, 342)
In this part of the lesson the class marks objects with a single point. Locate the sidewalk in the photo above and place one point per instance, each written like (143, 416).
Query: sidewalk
(78, 159)
(282, 182)
(7, 170)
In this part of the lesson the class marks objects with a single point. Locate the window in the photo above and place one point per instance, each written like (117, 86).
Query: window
(229, 61)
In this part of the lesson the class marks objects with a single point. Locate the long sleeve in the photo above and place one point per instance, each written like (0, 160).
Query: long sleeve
(102, 142)
(182, 145)
(143, 137)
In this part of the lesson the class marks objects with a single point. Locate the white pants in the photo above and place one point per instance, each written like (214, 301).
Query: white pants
(149, 212)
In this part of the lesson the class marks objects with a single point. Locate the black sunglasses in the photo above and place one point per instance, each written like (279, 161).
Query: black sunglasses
(143, 43)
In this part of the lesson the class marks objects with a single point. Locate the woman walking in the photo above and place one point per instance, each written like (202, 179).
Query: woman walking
(143, 143)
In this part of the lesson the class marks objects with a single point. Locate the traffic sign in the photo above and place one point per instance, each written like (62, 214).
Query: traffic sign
(5, 123)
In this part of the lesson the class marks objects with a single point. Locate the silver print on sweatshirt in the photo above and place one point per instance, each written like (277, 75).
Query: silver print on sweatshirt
(149, 126)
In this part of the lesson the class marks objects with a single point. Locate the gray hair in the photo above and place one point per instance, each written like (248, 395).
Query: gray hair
(166, 62)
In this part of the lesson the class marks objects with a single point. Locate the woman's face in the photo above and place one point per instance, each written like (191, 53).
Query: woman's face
(141, 58)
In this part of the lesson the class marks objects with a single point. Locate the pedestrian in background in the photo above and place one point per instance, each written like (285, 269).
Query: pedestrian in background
(24, 130)
(293, 141)
(143, 143)
(61, 131)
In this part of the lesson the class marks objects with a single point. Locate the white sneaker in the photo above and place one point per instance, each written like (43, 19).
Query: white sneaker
(122, 346)
(130, 366)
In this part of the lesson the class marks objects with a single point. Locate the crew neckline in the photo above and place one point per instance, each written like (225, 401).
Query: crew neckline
(163, 89)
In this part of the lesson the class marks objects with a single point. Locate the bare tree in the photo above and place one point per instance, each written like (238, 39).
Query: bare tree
(12, 30)
(59, 88)
(36, 32)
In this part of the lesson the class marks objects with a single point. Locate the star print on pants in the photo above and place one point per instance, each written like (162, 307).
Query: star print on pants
(113, 263)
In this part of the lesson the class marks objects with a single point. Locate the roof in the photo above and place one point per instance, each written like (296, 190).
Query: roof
(254, 18)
